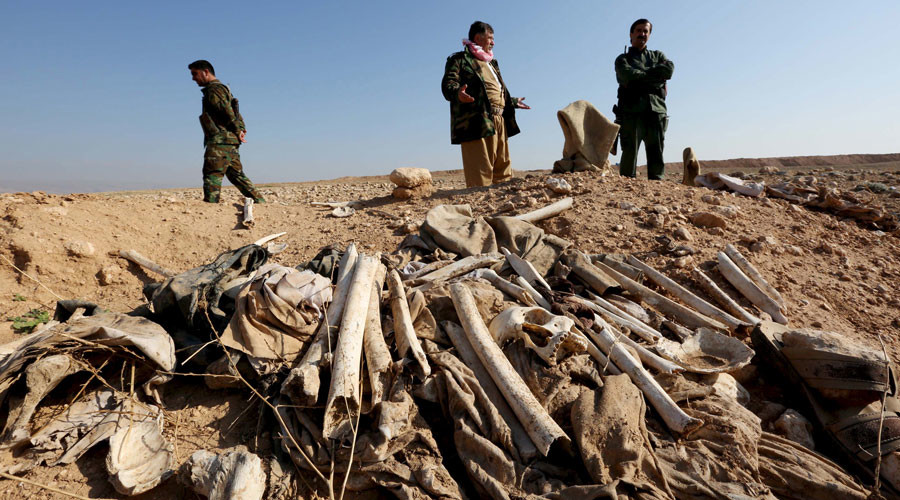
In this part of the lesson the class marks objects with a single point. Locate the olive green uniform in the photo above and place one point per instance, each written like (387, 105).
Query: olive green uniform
(222, 124)
(481, 127)
(641, 110)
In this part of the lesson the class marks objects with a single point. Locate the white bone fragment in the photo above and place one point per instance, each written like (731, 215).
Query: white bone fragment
(556, 334)
(265, 239)
(336, 204)
(622, 318)
(541, 301)
(524, 269)
(675, 418)
(623, 268)
(235, 474)
(139, 456)
(458, 336)
(542, 429)
(683, 314)
(629, 307)
(748, 289)
(506, 287)
(146, 263)
(707, 351)
(344, 394)
(719, 295)
(753, 274)
(378, 356)
(548, 211)
(459, 268)
(404, 333)
(302, 383)
(599, 281)
(687, 296)
(247, 220)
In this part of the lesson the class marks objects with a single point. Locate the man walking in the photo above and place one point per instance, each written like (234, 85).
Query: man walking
(223, 133)
(641, 111)
(482, 113)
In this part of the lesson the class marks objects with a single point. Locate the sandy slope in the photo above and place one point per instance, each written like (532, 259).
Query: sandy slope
(843, 277)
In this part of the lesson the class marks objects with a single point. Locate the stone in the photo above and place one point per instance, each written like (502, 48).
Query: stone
(769, 411)
(683, 262)
(656, 220)
(683, 234)
(711, 199)
(793, 250)
(558, 185)
(109, 275)
(659, 209)
(421, 191)
(716, 231)
(707, 219)
(728, 211)
(726, 386)
(624, 205)
(410, 177)
(794, 426)
(768, 169)
(80, 248)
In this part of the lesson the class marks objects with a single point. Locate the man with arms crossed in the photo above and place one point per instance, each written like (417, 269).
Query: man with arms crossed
(223, 133)
(482, 113)
(641, 111)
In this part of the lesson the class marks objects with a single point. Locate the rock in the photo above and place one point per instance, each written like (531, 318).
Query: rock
(109, 275)
(656, 220)
(409, 227)
(58, 211)
(624, 205)
(659, 209)
(618, 227)
(683, 262)
(80, 248)
(410, 177)
(421, 191)
(558, 185)
(795, 427)
(711, 199)
(683, 234)
(726, 386)
(768, 169)
(745, 374)
(728, 211)
(793, 250)
(716, 231)
(769, 411)
(707, 219)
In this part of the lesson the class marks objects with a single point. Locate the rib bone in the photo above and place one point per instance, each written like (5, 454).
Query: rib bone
(719, 295)
(736, 277)
(753, 274)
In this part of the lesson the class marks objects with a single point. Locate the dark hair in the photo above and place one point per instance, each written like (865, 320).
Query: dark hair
(640, 22)
(478, 28)
(201, 65)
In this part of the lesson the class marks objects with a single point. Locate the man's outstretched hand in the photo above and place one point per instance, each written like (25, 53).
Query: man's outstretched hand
(243, 136)
(462, 96)
(522, 105)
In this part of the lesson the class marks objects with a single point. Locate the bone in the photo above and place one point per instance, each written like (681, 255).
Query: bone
(633, 309)
(623, 268)
(506, 287)
(753, 274)
(247, 220)
(458, 268)
(540, 427)
(344, 393)
(541, 301)
(546, 212)
(234, 474)
(557, 333)
(681, 313)
(524, 269)
(146, 263)
(622, 318)
(748, 289)
(265, 239)
(688, 297)
(139, 456)
(378, 356)
(719, 295)
(428, 268)
(302, 383)
(404, 333)
(458, 336)
(336, 204)
(589, 273)
(674, 417)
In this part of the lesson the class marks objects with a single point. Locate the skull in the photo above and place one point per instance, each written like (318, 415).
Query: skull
(548, 335)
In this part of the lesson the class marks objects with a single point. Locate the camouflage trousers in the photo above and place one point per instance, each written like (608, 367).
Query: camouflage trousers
(224, 159)
(486, 160)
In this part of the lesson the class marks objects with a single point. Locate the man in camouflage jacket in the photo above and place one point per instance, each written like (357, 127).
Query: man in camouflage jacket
(223, 133)
(641, 111)
(482, 113)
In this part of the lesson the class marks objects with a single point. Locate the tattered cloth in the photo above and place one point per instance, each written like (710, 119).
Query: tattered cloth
(589, 137)
(277, 313)
(453, 228)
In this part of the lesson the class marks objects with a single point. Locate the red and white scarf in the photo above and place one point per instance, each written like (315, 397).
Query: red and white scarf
(477, 51)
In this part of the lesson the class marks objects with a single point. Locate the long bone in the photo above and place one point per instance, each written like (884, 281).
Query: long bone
(622, 318)
(540, 427)
(524, 268)
(546, 212)
(709, 286)
(589, 273)
(536, 295)
(247, 220)
(302, 383)
(344, 393)
(685, 315)
(375, 349)
(404, 333)
(687, 296)
(739, 280)
(675, 418)
(506, 287)
(623, 268)
(753, 274)
(458, 268)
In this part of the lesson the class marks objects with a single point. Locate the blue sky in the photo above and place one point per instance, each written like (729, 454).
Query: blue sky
(97, 95)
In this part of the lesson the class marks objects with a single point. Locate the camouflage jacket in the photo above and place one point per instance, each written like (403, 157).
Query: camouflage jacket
(473, 120)
(642, 79)
(221, 120)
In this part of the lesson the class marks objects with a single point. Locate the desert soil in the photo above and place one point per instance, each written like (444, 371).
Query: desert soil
(834, 274)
